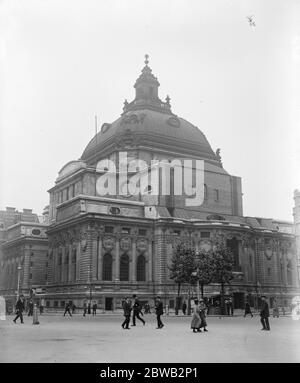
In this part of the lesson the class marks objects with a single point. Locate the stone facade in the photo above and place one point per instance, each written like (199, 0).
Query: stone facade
(23, 259)
(104, 247)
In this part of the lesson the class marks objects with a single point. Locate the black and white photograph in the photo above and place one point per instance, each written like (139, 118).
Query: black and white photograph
(149, 184)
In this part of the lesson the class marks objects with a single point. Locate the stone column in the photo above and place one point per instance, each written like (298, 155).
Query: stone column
(116, 263)
(94, 256)
(150, 260)
(100, 259)
(54, 265)
(70, 263)
(63, 266)
(78, 250)
(26, 268)
(133, 263)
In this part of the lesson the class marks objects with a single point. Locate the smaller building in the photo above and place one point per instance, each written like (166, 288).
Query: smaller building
(296, 214)
(23, 253)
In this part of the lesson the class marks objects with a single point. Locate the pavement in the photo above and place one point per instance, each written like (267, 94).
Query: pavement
(101, 339)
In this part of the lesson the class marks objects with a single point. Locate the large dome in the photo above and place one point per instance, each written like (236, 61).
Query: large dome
(147, 122)
(152, 129)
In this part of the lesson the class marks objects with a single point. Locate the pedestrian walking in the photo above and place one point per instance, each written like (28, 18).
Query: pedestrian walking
(264, 314)
(275, 309)
(73, 308)
(20, 306)
(84, 308)
(94, 308)
(127, 312)
(89, 308)
(184, 306)
(30, 308)
(248, 310)
(196, 321)
(230, 306)
(202, 310)
(41, 307)
(68, 309)
(159, 310)
(137, 310)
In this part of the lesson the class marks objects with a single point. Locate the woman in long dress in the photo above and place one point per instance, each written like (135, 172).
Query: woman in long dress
(196, 321)
(202, 309)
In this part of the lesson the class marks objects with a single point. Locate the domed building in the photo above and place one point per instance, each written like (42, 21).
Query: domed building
(103, 247)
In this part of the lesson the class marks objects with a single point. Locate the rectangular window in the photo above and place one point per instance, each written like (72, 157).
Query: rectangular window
(269, 271)
(55, 303)
(30, 276)
(47, 303)
(67, 193)
(205, 234)
(125, 230)
(216, 195)
(72, 191)
(31, 263)
(46, 277)
(62, 303)
(142, 232)
(109, 229)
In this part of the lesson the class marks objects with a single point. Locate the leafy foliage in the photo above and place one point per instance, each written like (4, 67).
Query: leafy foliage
(183, 263)
(223, 265)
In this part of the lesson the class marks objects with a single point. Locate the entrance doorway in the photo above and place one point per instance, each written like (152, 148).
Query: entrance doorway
(239, 301)
(108, 304)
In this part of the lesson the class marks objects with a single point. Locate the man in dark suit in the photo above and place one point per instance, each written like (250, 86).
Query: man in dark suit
(20, 306)
(159, 311)
(264, 314)
(127, 312)
(68, 309)
(137, 309)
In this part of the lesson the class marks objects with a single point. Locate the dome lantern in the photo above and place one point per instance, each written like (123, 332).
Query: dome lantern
(146, 92)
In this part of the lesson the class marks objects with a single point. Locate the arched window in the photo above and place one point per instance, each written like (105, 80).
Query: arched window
(233, 245)
(107, 267)
(141, 268)
(124, 268)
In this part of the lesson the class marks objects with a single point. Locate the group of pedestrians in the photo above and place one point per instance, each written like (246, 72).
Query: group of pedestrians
(136, 307)
(198, 319)
(20, 308)
(88, 308)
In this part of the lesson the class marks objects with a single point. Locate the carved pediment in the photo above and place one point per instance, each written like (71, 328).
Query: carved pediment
(141, 245)
(205, 245)
(125, 243)
(108, 243)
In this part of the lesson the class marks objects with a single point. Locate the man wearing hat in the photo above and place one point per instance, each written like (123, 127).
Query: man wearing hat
(137, 310)
(127, 312)
(159, 311)
(20, 306)
(264, 314)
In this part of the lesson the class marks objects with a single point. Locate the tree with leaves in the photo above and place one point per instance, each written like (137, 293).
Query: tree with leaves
(205, 268)
(223, 270)
(183, 263)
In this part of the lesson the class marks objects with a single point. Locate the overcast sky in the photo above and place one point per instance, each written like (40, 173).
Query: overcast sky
(64, 61)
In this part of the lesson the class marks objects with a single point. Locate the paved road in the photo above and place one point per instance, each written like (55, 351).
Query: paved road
(101, 339)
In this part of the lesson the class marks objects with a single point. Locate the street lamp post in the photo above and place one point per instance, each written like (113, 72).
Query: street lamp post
(196, 273)
(19, 271)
